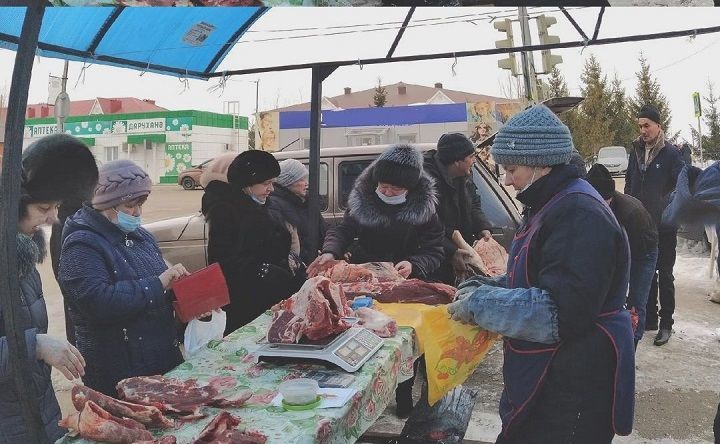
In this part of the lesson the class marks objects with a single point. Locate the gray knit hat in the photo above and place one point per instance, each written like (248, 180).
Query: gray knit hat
(534, 137)
(120, 181)
(291, 171)
(399, 165)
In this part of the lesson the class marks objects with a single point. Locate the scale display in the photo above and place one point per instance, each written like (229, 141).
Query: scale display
(349, 350)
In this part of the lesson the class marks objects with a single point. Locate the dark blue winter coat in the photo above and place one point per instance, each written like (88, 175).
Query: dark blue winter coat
(123, 319)
(653, 186)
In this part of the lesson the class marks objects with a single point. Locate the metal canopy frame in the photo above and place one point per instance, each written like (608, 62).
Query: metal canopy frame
(11, 168)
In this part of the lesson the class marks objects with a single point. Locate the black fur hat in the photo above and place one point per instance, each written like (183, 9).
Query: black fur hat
(56, 168)
(252, 167)
(399, 165)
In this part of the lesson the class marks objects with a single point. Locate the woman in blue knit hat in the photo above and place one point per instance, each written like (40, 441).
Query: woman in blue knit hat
(569, 367)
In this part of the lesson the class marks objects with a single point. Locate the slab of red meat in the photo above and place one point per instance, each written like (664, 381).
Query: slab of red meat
(415, 290)
(493, 255)
(148, 415)
(180, 396)
(315, 311)
(379, 323)
(221, 430)
(92, 422)
(342, 272)
(355, 289)
(169, 439)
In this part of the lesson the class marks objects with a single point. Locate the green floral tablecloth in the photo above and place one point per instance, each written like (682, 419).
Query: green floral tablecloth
(233, 356)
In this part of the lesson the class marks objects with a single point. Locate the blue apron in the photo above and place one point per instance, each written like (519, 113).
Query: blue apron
(526, 363)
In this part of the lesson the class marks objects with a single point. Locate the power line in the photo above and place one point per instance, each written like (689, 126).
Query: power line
(679, 60)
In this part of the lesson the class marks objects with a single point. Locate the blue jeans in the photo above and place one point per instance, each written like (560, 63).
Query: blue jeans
(642, 270)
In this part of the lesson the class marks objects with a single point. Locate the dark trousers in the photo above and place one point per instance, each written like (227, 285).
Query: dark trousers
(716, 426)
(663, 283)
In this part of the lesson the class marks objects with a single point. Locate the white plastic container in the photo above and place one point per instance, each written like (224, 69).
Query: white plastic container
(299, 391)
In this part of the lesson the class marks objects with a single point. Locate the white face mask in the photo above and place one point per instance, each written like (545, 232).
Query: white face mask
(257, 199)
(532, 180)
(394, 200)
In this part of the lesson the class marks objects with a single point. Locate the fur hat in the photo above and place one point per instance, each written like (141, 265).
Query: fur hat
(600, 178)
(534, 137)
(399, 165)
(120, 181)
(453, 147)
(56, 168)
(649, 112)
(252, 167)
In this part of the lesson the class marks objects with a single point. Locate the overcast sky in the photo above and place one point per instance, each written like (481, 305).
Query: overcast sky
(681, 65)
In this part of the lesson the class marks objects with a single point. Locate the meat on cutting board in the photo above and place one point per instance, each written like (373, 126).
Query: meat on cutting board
(148, 415)
(93, 422)
(222, 430)
(493, 255)
(379, 323)
(169, 439)
(316, 311)
(180, 396)
(342, 272)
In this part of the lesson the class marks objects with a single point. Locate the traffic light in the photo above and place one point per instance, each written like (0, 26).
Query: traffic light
(509, 62)
(549, 60)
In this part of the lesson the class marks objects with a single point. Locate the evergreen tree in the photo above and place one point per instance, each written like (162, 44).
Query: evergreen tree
(251, 137)
(592, 129)
(380, 97)
(648, 92)
(711, 116)
(556, 83)
(621, 124)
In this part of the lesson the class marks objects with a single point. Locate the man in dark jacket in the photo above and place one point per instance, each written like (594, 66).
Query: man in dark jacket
(459, 206)
(643, 239)
(288, 204)
(686, 153)
(568, 365)
(651, 176)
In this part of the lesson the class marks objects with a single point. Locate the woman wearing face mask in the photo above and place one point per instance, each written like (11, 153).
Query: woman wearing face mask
(113, 274)
(569, 368)
(392, 214)
(54, 168)
(251, 246)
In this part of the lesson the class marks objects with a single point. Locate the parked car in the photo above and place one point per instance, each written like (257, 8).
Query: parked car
(190, 178)
(184, 239)
(614, 158)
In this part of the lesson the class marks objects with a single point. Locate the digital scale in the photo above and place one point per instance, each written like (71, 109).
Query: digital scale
(348, 350)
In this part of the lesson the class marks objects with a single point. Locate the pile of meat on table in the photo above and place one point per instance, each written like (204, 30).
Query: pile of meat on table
(146, 401)
(320, 308)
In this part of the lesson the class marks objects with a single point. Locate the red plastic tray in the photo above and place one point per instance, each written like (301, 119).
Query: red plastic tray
(201, 292)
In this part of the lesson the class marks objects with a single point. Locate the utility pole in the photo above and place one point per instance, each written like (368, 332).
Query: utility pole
(698, 114)
(528, 65)
(62, 102)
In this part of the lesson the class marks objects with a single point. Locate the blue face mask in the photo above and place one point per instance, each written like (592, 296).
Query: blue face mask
(127, 223)
(392, 200)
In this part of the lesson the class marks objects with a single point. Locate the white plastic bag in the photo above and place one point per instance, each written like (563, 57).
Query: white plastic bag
(198, 333)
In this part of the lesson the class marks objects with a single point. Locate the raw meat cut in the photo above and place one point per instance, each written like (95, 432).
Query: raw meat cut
(410, 290)
(415, 290)
(379, 323)
(342, 272)
(316, 311)
(493, 255)
(184, 397)
(92, 422)
(221, 430)
(475, 263)
(148, 415)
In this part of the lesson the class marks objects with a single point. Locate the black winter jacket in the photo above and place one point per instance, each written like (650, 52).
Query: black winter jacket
(124, 321)
(286, 207)
(459, 208)
(252, 249)
(639, 225)
(34, 321)
(375, 231)
(653, 186)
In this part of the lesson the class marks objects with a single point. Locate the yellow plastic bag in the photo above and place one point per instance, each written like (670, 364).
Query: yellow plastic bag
(452, 350)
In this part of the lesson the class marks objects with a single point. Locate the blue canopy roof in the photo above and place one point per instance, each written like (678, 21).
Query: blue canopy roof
(186, 42)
